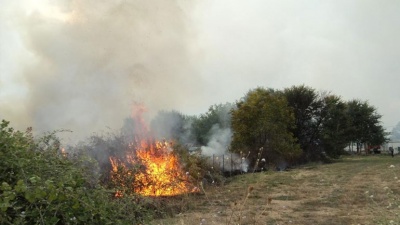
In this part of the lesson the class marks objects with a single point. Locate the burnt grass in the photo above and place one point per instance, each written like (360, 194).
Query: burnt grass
(352, 190)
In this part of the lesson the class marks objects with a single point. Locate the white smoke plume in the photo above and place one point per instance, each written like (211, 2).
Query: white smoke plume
(218, 150)
(84, 63)
(219, 141)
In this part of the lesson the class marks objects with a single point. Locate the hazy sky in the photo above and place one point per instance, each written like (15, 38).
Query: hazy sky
(351, 48)
(80, 65)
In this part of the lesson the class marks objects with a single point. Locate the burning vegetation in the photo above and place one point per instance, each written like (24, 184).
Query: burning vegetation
(149, 167)
(158, 171)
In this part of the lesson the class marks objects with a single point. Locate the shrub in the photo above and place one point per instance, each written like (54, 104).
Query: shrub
(41, 185)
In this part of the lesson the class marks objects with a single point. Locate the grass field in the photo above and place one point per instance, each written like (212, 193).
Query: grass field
(353, 190)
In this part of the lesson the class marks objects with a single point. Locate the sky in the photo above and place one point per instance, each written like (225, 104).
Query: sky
(82, 65)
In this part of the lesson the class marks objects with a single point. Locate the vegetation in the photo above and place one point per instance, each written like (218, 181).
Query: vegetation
(315, 193)
(217, 115)
(40, 183)
(365, 128)
(294, 125)
(307, 107)
(334, 134)
(262, 120)
(325, 124)
(300, 125)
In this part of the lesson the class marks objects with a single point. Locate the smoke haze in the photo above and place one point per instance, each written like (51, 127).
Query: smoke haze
(86, 62)
(80, 65)
(217, 150)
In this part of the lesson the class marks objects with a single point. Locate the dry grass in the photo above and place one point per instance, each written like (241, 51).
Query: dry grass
(355, 190)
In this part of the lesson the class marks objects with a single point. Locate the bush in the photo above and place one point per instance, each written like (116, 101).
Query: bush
(198, 166)
(41, 185)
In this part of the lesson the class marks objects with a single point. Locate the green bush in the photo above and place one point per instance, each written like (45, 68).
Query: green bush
(40, 185)
(198, 167)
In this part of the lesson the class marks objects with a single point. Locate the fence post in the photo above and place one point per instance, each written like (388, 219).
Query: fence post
(213, 162)
(231, 164)
(223, 163)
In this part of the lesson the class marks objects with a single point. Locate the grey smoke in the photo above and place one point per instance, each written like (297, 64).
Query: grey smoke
(172, 125)
(84, 73)
(395, 134)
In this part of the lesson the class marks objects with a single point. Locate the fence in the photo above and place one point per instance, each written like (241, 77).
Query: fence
(229, 163)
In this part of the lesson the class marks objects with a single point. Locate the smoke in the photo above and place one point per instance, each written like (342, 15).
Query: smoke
(217, 149)
(219, 141)
(395, 134)
(172, 125)
(85, 62)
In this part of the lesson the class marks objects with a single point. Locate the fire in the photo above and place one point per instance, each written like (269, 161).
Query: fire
(158, 170)
(63, 152)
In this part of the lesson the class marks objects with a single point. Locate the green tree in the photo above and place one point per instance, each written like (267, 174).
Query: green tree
(334, 135)
(262, 120)
(364, 125)
(307, 106)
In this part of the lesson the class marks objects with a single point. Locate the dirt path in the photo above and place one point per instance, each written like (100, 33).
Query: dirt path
(357, 190)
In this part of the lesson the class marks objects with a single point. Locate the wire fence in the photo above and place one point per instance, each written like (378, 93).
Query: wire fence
(229, 163)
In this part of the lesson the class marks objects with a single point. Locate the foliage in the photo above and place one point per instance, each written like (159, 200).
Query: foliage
(197, 166)
(216, 115)
(364, 124)
(100, 148)
(307, 106)
(325, 124)
(334, 134)
(262, 120)
(41, 185)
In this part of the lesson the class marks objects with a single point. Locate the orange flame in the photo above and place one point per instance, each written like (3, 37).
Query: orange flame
(160, 172)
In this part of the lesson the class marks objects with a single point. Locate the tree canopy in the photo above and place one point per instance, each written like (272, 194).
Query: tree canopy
(335, 126)
(307, 106)
(262, 120)
(364, 124)
(325, 124)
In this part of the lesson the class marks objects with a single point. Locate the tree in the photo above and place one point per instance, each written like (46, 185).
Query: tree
(262, 121)
(334, 135)
(307, 106)
(364, 125)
